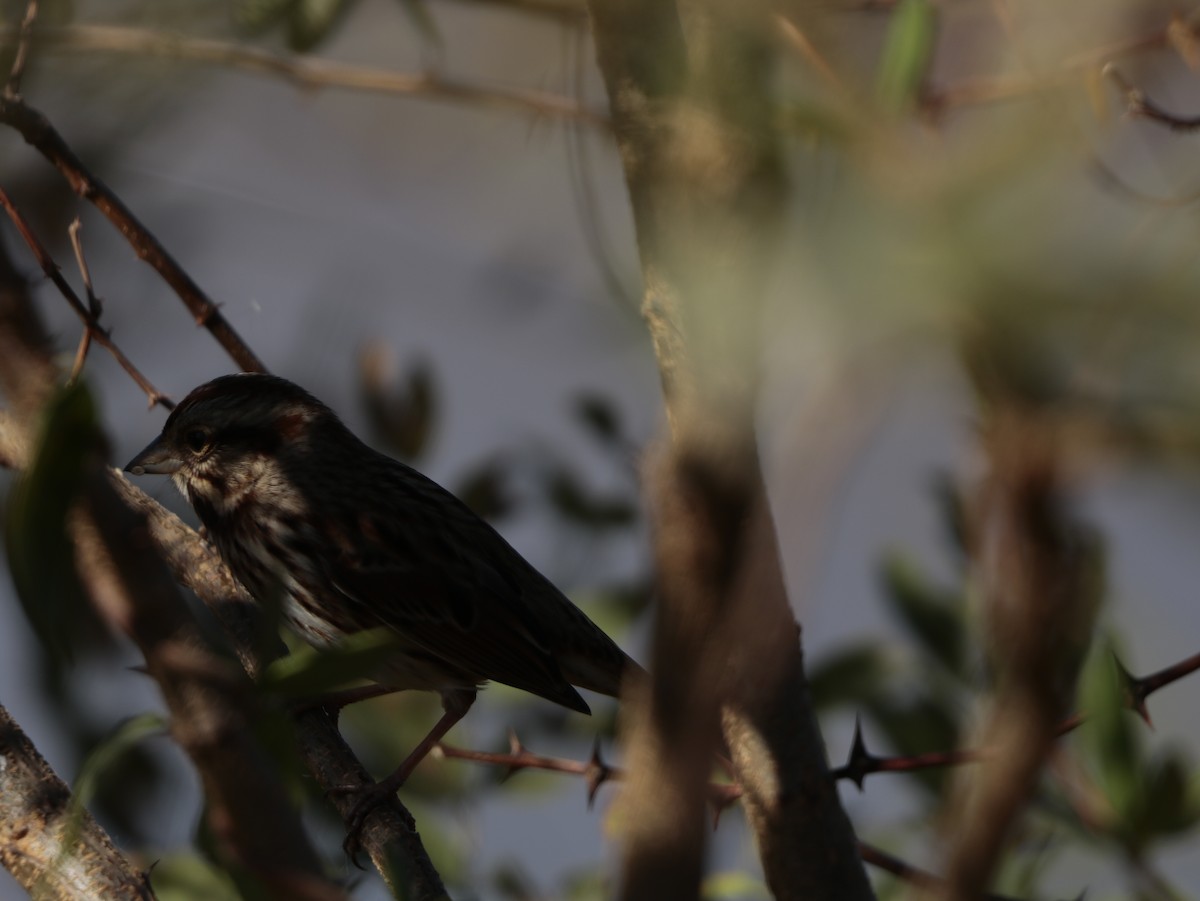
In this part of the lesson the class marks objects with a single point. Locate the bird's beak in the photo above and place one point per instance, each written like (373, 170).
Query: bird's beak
(156, 459)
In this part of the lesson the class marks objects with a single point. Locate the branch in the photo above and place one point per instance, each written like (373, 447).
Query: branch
(595, 771)
(697, 131)
(12, 87)
(389, 837)
(307, 73)
(1038, 575)
(47, 849)
(87, 314)
(1139, 105)
(38, 132)
(248, 808)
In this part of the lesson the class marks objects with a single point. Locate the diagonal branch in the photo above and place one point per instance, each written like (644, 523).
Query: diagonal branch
(42, 845)
(248, 809)
(87, 314)
(38, 132)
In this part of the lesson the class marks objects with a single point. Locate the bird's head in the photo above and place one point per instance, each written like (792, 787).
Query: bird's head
(229, 438)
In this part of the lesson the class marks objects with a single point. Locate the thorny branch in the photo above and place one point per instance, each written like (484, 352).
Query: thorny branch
(859, 765)
(88, 314)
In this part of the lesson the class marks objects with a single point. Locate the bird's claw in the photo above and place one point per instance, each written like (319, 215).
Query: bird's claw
(370, 797)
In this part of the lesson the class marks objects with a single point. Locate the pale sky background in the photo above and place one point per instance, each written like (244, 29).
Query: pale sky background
(322, 220)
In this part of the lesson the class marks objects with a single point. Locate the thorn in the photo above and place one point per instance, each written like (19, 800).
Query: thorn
(858, 764)
(514, 744)
(1135, 694)
(598, 772)
(207, 313)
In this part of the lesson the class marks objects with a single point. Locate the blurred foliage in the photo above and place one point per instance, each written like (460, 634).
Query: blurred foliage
(932, 224)
(41, 557)
(310, 23)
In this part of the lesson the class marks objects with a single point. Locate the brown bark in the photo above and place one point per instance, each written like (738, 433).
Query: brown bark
(694, 121)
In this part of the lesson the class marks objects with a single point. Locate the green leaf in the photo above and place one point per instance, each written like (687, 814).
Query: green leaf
(850, 676)
(313, 21)
(733, 884)
(418, 14)
(571, 500)
(255, 15)
(907, 54)
(1168, 809)
(1109, 737)
(40, 555)
(935, 618)
(483, 490)
(403, 417)
(600, 416)
(309, 672)
(186, 877)
(100, 762)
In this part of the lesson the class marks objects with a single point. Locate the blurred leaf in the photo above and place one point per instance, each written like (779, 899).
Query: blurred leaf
(851, 676)
(419, 15)
(588, 885)
(1170, 806)
(404, 415)
(275, 731)
(733, 884)
(248, 884)
(40, 555)
(102, 760)
(313, 21)
(907, 54)
(600, 416)
(309, 672)
(511, 882)
(935, 618)
(258, 14)
(186, 877)
(949, 501)
(1109, 736)
(918, 725)
(570, 499)
(483, 490)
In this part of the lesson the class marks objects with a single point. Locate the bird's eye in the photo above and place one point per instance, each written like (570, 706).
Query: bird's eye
(196, 440)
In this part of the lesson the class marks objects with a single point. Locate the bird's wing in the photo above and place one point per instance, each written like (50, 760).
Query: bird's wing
(469, 617)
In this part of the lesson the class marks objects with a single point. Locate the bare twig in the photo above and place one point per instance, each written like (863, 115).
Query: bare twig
(94, 306)
(12, 87)
(309, 73)
(976, 91)
(37, 131)
(86, 314)
(1138, 104)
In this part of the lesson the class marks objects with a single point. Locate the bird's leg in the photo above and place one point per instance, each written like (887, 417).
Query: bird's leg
(455, 704)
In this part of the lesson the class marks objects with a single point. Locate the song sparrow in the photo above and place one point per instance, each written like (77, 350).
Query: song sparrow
(293, 499)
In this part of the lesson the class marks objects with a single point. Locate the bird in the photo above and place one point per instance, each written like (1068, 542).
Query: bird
(298, 506)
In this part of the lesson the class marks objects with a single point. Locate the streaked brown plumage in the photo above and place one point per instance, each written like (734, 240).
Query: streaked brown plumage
(357, 541)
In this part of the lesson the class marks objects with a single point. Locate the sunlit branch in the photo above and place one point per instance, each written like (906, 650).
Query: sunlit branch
(308, 73)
